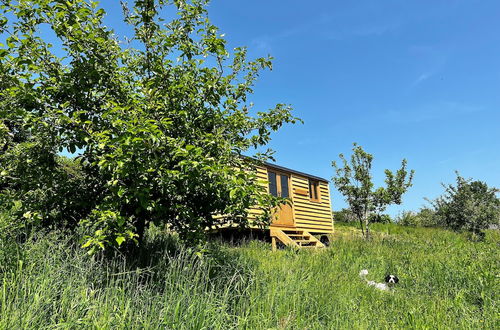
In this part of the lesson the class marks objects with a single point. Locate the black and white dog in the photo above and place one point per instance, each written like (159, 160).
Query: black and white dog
(390, 281)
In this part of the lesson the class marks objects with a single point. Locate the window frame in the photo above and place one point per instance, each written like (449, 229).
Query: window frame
(316, 191)
(275, 183)
(278, 176)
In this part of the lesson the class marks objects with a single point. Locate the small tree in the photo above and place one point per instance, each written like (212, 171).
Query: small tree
(354, 181)
(470, 205)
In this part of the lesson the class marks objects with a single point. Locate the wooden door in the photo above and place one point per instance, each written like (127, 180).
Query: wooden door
(279, 185)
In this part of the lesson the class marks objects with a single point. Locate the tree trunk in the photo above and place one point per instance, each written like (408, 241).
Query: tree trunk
(366, 230)
(141, 227)
(134, 210)
(361, 226)
(367, 227)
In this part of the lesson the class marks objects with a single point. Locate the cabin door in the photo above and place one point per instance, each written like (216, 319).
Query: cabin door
(279, 185)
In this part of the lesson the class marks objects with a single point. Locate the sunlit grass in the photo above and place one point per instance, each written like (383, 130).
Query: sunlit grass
(446, 281)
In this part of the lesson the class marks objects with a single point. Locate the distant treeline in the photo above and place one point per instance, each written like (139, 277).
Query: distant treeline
(468, 205)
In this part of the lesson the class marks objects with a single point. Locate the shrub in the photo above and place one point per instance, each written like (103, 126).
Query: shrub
(425, 217)
(36, 182)
(344, 215)
(380, 218)
(468, 205)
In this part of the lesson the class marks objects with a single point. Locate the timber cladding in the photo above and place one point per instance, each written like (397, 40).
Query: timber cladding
(310, 195)
(312, 215)
(310, 210)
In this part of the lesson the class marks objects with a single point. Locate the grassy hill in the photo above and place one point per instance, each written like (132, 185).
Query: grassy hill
(446, 281)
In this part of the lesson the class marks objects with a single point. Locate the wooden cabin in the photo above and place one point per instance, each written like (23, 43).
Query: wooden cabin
(307, 221)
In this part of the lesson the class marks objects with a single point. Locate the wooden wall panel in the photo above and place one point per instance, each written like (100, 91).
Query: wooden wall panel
(308, 215)
(311, 215)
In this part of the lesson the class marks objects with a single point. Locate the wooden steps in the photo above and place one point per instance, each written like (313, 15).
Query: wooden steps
(296, 238)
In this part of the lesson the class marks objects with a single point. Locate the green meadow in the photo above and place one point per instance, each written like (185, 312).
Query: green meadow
(446, 281)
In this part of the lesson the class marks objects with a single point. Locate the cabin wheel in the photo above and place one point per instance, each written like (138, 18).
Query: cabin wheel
(325, 240)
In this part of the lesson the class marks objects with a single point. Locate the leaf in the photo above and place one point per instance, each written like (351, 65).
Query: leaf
(232, 193)
(87, 244)
(10, 42)
(120, 240)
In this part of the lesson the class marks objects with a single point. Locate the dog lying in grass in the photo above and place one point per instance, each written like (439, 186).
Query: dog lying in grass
(390, 281)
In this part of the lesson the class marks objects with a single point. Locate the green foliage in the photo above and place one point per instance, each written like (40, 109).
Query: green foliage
(354, 181)
(161, 121)
(468, 205)
(168, 286)
(11, 230)
(425, 217)
(344, 215)
(446, 282)
(380, 218)
(42, 186)
(106, 225)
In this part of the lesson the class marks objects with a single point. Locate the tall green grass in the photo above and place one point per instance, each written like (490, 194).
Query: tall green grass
(446, 281)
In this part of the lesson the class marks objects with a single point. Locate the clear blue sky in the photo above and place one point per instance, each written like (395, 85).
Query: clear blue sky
(413, 79)
(405, 79)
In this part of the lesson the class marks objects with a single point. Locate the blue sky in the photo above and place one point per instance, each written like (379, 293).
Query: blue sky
(405, 79)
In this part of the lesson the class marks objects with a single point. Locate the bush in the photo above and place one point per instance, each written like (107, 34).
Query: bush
(425, 217)
(46, 189)
(380, 218)
(468, 205)
(344, 215)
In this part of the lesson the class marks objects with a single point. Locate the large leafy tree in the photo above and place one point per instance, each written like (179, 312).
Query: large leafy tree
(354, 180)
(468, 205)
(160, 120)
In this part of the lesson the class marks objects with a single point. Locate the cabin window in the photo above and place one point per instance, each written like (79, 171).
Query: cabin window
(273, 187)
(278, 184)
(284, 185)
(314, 190)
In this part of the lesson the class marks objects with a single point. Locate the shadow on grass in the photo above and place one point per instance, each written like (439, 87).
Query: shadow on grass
(239, 237)
(163, 262)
